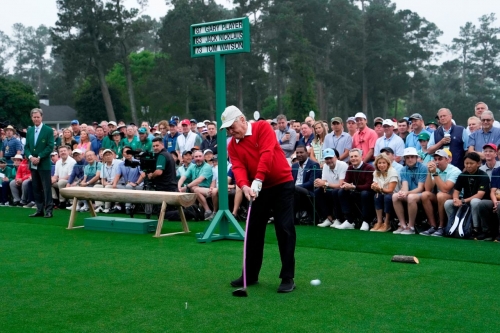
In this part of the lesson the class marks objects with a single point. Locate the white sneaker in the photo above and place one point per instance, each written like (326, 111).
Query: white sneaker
(336, 224)
(365, 226)
(346, 225)
(84, 209)
(325, 223)
(71, 207)
(78, 208)
(98, 209)
(105, 210)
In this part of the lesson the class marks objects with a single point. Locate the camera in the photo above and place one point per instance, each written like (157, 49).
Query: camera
(146, 160)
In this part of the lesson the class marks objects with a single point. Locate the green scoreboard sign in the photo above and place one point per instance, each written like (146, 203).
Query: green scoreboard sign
(221, 37)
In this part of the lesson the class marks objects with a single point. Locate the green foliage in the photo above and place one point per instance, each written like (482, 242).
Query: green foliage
(336, 57)
(16, 101)
(90, 104)
(31, 62)
(300, 97)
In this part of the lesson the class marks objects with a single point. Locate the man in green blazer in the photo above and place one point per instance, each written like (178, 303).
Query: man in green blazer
(39, 146)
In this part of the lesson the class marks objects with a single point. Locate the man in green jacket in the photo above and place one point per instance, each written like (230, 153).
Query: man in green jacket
(39, 146)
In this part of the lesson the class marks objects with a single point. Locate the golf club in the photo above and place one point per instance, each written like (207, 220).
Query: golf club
(242, 292)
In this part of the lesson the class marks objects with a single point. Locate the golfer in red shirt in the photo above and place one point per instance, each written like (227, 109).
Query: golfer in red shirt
(263, 173)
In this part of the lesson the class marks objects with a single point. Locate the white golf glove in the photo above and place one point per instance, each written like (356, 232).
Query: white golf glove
(256, 187)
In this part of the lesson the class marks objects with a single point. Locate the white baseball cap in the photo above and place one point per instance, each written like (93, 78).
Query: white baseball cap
(112, 123)
(410, 151)
(360, 115)
(76, 151)
(230, 114)
(388, 122)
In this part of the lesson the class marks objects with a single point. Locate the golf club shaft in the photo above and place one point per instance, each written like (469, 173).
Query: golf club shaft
(245, 244)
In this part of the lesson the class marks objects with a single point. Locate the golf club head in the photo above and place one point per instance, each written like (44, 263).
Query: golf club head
(242, 292)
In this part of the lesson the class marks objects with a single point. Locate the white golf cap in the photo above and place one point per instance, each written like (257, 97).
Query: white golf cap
(76, 151)
(410, 151)
(230, 114)
(200, 125)
(360, 115)
(107, 151)
(20, 157)
(388, 122)
(207, 151)
(112, 123)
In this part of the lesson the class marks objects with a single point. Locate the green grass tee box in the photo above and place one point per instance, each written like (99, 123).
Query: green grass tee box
(58, 280)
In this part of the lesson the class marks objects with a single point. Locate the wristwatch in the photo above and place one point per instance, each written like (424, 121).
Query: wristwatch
(463, 201)
(435, 174)
(326, 184)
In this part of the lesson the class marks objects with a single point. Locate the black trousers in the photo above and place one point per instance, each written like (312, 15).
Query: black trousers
(41, 182)
(280, 199)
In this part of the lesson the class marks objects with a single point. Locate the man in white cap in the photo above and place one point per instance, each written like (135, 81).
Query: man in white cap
(389, 139)
(413, 178)
(365, 138)
(264, 175)
(328, 187)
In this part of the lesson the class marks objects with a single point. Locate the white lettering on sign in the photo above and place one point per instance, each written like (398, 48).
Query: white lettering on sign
(218, 27)
(218, 38)
(218, 48)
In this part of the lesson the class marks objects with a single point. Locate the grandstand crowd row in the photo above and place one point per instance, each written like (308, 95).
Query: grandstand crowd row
(411, 175)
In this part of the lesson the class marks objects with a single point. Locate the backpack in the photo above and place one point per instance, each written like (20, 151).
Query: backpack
(460, 225)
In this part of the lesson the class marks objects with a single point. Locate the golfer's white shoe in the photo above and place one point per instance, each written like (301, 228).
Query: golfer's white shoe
(346, 225)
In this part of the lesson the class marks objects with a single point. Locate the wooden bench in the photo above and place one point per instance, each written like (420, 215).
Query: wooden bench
(137, 197)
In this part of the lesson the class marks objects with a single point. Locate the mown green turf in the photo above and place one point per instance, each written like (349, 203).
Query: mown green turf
(58, 280)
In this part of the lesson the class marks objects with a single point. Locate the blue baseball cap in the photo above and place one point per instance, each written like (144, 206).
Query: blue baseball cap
(329, 152)
(172, 123)
(75, 122)
(142, 130)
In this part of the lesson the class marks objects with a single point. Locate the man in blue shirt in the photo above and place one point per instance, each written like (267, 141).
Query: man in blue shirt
(11, 145)
(418, 127)
(487, 134)
(413, 178)
(170, 140)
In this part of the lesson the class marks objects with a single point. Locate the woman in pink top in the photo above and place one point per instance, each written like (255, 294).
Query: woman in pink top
(84, 144)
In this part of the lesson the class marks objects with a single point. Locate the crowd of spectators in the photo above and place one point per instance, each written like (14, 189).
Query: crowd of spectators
(390, 176)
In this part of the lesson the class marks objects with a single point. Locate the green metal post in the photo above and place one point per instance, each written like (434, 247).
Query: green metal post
(223, 218)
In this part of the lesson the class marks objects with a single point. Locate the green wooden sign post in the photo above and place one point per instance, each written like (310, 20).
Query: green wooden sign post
(218, 39)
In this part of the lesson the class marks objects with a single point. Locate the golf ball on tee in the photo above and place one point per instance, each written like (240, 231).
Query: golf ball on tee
(315, 282)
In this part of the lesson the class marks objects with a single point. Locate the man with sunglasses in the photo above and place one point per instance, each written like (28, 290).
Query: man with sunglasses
(487, 134)
(443, 176)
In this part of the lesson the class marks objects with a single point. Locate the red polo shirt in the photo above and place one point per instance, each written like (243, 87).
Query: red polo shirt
(364, 140)
(259, 156)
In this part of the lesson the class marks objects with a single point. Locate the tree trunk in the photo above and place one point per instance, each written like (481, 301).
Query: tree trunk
(187, 100)
(365, 84)
(102, 80)
(130, 89)
(105, 91)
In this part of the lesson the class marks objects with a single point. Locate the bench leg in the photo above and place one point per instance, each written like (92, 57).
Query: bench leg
(71, 223)
(91, 208)
(185, 226)
(160, 219)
